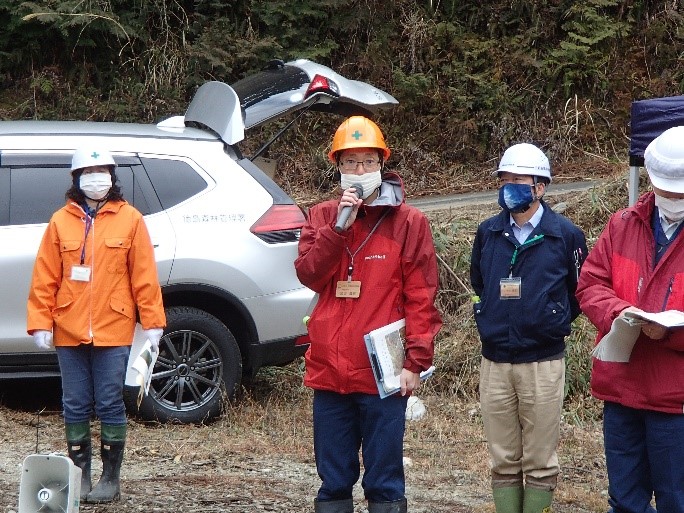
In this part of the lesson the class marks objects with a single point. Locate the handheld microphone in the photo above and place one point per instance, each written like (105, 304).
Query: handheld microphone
(346, 211)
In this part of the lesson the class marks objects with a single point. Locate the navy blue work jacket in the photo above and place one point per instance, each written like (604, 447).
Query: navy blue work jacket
(533, 327)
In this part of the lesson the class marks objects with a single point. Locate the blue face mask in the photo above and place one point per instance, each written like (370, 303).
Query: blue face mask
(515, 197)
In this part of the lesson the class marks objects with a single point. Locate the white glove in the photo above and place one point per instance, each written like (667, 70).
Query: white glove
(43, 339)
(154, 335)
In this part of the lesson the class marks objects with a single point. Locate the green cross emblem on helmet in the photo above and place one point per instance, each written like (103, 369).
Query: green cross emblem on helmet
(357, 135)
(95, 155)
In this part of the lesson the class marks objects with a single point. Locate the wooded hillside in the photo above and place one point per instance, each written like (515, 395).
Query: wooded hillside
(471, 77)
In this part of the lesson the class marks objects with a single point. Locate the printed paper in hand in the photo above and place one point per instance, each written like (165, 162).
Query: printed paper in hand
(668, 318)
(617, 344)
(386, 352)
(143, 365)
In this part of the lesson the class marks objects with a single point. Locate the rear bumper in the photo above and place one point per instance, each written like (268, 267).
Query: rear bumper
(273, 352)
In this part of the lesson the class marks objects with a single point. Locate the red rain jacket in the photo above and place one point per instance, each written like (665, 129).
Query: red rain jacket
(620, 272)
(397, 268)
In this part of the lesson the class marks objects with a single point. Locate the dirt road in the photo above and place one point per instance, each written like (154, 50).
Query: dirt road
(476, 198)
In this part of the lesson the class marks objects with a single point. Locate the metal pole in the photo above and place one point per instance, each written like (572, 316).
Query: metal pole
(633, 184)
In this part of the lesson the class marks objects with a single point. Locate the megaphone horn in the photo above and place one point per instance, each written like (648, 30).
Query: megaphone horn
(49, 483)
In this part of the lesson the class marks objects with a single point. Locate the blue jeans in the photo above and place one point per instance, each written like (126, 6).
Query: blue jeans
(644, 455)
(92, 381)
(344, 423)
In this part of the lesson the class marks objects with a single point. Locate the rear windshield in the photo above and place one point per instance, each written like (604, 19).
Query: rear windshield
(267, 83)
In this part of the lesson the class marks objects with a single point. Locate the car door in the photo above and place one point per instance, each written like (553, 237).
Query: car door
(32, 189)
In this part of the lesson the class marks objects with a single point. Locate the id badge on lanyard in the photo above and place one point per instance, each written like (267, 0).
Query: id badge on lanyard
(82, 272)
(351, 289)
(511, 287)
(348, 289)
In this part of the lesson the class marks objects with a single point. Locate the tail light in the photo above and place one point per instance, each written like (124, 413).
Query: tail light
(321, 84)
(280, 223)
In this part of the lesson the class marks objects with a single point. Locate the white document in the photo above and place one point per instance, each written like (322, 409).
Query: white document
(143, 365)
(617, 344)
(386, 352)
(668, 318)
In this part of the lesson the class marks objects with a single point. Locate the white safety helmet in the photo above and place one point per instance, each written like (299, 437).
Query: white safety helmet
(664, 159)
(524, 159)
(89, 156)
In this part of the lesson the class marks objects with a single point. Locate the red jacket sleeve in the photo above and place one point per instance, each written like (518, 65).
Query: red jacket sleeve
(320, 249)
(421, 282)
(595, 292)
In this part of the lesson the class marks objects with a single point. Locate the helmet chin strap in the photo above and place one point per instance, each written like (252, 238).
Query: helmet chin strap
(521, 210)
(536, 182)
(98, 203)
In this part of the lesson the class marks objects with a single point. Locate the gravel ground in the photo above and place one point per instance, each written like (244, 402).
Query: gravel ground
(225, 467)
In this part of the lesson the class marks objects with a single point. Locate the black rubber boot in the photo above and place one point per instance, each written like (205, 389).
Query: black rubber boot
(388, 507)
(340, 506)
(108, 488)
(80, 452)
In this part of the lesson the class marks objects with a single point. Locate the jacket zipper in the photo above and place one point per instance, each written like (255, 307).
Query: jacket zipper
(667, 293)
(92, 278)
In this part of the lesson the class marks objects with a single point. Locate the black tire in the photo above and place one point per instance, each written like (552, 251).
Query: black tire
(199, 366)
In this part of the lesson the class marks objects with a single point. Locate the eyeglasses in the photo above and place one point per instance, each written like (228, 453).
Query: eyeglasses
(350, 165)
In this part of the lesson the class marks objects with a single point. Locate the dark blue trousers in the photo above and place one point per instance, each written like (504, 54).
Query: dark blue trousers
(345, 423)
(93, 380)
(644, 457)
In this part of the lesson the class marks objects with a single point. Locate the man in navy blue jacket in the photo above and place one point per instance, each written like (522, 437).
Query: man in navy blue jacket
(524, 269)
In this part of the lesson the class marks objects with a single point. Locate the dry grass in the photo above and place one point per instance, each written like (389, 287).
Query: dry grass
(259, 455)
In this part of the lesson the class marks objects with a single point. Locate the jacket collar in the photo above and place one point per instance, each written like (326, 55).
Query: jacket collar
(549, 224)
(111, 206)
(643, 208)
(391, 192)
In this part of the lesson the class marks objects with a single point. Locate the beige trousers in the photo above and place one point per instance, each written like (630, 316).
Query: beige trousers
(521, 407)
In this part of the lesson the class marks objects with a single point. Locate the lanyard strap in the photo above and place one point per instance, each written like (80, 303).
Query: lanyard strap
(88, 223)
(89, 220)
(518, 248)
(350, 269)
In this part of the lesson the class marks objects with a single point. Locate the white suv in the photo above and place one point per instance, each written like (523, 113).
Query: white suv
(225, 235)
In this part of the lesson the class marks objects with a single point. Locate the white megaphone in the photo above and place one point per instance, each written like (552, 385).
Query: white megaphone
(49, 483)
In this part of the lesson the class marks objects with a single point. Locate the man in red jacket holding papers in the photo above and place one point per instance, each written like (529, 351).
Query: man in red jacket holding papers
(371, 259)
(637, 265)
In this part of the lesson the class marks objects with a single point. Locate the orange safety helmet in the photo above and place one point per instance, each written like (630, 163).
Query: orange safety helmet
(358, 132)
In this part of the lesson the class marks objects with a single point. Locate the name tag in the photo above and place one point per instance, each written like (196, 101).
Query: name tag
(80, 273)
(510, 288)
(348, 289)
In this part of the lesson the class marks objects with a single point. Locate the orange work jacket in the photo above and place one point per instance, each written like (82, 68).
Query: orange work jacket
(123, 277)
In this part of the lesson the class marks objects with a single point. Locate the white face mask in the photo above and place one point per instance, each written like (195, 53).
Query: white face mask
(95, 186)
(369, 182)
(670, 209)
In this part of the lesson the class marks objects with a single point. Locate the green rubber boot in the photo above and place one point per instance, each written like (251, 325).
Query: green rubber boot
(508, 499)
(80, 452)
(108, 488)
(537, 501)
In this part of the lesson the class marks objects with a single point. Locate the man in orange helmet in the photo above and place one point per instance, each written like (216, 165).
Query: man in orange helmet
(371, 259)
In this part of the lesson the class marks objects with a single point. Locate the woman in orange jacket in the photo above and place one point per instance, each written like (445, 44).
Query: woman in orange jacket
(95, 270)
